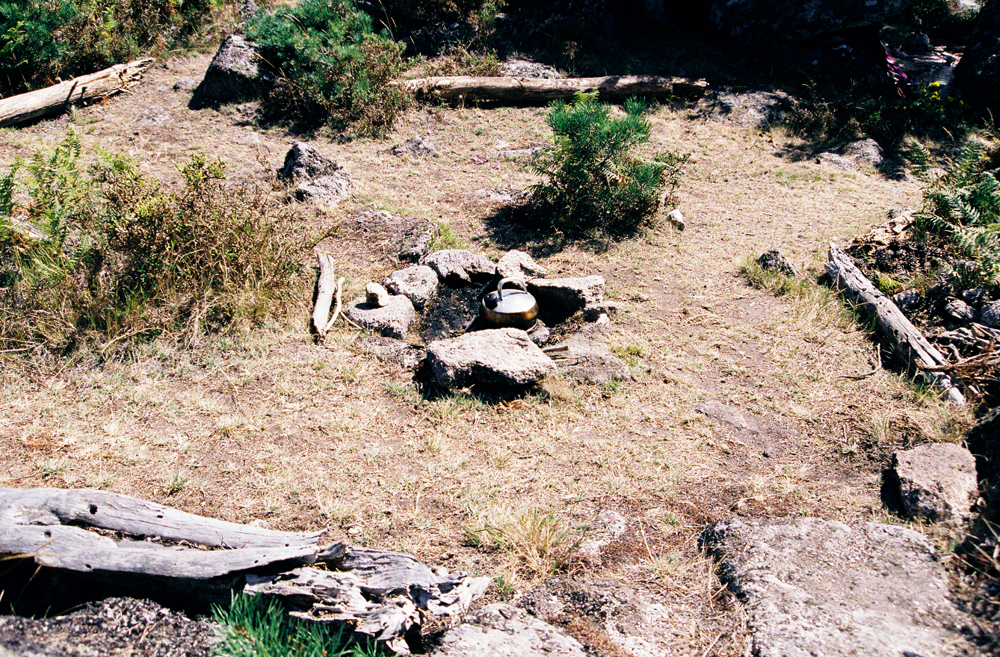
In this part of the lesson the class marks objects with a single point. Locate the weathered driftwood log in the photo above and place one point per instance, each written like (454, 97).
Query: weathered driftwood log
(533, 91)
(325, 289)
(35, 104)
(379, 594)
(907, 341)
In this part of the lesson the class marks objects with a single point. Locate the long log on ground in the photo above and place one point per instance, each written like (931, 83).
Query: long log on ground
(533, 91)
(907, 341)
(146, 547)
(35, 104)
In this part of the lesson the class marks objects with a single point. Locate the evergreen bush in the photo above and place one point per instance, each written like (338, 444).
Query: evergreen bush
(596, 185)
(333, 67)
(44, 40)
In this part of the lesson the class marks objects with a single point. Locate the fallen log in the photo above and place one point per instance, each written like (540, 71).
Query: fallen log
(160, 552)
(533, 91)
(906, 340)
(35, 104)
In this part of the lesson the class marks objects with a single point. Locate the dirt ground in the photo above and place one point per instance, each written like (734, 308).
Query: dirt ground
(270, 426)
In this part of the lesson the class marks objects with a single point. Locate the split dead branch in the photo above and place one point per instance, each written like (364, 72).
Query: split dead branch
(142, 546)
(57, 98)
(891, 324)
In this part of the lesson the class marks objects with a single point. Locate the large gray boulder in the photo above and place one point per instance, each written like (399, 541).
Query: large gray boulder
(235, 75)
(392, 320)
(820, 587)
(303, 161)
(565, 296)
(936, 481)
(499, 630)
(504, 357)
(460, 266)
(418, 283)
(761, 21)
(977, 76)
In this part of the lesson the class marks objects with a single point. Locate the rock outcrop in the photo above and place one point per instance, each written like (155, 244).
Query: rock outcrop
(235, 75)
(503, 357)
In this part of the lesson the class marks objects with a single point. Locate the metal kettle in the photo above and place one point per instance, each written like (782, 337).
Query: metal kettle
(514, 308)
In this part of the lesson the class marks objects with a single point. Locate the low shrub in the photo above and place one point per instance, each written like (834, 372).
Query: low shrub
(596, 185)
(109, 255)
(44, 40)
(333, 67)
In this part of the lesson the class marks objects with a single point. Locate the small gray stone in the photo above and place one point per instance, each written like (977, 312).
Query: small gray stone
(303, 161)
(235, 74)
(958, 309)
(773, 260)
(837, 160)
(726, 415)
(416, 146)
(865, 151)
(185, 84)
(565, 296)
(676, 219)
(907, 299)
(520, 68)
(504, 357)
(499, 630)
(539, 333)
(418, 283)
(376, 296)
(820, 587)
(247, 9)
(520, 265)
(329, 190)
(937, 481)
(392, 320)
(989, 314)
(456, 265)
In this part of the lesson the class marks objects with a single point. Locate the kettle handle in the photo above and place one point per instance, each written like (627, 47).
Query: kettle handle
(500, 285)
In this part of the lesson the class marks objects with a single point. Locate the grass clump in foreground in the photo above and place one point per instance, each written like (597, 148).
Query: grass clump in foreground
(596, 185)
(253, 626)
(108, 255)
(334, 68)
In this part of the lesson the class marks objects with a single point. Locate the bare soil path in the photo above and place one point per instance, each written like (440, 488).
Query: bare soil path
(269, 426)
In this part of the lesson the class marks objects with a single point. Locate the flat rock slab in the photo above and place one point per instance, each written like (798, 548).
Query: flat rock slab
(820, 587)
(499, 630)
(392, 320)
(505, 357)
(325, 189)
(389, 350)
(585, 357)
(460, 266)
(936, 481)
(418, 283)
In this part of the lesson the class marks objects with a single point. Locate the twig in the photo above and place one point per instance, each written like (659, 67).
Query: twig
(336, 309)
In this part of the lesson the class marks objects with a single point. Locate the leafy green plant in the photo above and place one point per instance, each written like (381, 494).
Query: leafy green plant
(253, 626)
(596, 185)
(109, 254)
(333, 67)
(963, 207)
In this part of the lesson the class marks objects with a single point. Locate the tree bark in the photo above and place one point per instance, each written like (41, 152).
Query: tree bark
(161, 552)
(35, 104)
(532, 91)
(908, 342)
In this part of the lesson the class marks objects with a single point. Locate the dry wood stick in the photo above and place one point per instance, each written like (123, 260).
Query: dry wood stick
(35, 104)
(891, 322)
(339, 302)
(326, 287)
